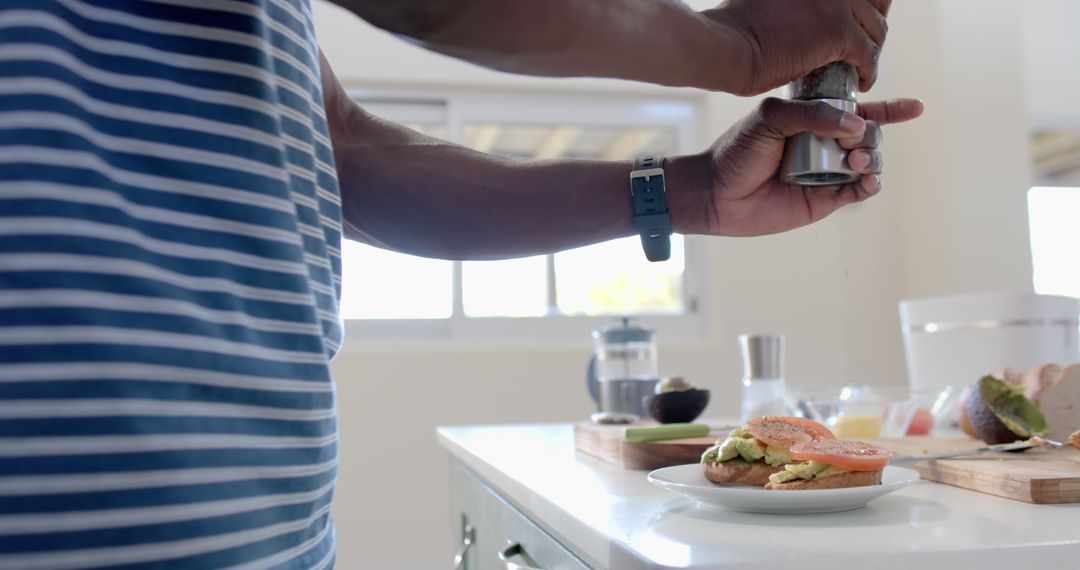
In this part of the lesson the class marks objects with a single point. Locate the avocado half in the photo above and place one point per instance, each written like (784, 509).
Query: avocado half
(999, 413)
(682, 406)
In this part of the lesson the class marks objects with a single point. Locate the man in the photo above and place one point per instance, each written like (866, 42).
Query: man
(175, 178)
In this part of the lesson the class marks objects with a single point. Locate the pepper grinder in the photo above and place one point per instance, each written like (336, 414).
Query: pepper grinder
(763, 391)
(812, 160)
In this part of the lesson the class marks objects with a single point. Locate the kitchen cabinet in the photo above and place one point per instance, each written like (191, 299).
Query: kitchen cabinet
(492, 534)
(525, 485)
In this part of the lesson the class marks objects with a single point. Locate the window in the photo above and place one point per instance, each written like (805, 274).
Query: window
(1052, 215)
(1053, 208)
(381, 284)
(403, 286)
(601, 280)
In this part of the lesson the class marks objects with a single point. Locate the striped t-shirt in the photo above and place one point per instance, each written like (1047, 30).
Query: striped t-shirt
(169, 270)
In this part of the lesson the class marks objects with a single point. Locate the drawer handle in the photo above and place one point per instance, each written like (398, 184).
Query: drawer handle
(513, 550)
(459, 558)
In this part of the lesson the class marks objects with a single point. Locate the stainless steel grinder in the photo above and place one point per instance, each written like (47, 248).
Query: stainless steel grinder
(812, 160)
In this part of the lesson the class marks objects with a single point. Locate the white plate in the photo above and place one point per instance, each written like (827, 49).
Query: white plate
(689, 481)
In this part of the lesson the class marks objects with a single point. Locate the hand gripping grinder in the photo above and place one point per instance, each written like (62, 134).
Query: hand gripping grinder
(812, 160)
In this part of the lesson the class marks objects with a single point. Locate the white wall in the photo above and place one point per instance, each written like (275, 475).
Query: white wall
(951, 219)
(1051, 58)
(967, 165)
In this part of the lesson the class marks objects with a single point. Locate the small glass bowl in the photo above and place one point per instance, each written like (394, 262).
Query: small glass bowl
(866, 411)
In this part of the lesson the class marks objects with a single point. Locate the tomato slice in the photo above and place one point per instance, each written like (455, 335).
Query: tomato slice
(847, 453)
(784, 431)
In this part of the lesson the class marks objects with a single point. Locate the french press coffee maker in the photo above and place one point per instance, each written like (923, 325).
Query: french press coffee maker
(623, 371)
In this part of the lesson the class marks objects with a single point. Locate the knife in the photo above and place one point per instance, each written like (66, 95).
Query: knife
(1015, 446)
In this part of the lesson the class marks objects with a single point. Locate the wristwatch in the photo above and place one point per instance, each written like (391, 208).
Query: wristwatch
(649, 198)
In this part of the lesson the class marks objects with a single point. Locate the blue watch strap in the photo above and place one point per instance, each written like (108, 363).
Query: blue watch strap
(651, 217)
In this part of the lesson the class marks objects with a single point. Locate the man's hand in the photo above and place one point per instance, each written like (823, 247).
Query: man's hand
(733, 188)
(785, 39)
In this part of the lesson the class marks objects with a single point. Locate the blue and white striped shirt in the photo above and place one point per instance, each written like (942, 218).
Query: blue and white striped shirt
(170, 231)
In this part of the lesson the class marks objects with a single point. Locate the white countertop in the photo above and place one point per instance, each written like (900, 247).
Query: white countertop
(614, 518)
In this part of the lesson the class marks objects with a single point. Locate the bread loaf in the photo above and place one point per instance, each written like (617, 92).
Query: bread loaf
(1038, 379)
(1060, 403)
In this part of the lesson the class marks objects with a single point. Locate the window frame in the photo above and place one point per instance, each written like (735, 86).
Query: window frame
(681, 113)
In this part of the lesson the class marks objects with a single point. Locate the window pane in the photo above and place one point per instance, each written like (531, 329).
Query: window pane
(614, 278)
(381, 284)
(437, 130)
(568, 140)
(605, 279)
(510, 288)
(1056, 156)
(427, 117)
(1052, 214)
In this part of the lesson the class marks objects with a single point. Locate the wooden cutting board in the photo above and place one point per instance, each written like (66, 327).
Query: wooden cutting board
(1034, 476)
(605, 442)
(1042, 475)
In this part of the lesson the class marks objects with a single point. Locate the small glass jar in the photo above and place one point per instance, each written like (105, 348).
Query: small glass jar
(763, 397)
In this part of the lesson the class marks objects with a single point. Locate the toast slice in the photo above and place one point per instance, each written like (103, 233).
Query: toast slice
(737, 471)
(842, 480)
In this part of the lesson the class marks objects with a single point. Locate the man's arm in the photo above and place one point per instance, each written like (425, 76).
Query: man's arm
(415, 194)
(408, 192)
(744, 46)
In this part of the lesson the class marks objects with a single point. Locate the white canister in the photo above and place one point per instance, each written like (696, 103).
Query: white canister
(955, 340)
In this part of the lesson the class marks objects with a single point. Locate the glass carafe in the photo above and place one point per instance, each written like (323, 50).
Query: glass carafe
(626, 367)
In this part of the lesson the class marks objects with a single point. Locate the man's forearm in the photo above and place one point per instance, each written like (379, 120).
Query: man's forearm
(626, 39)
(411, 193)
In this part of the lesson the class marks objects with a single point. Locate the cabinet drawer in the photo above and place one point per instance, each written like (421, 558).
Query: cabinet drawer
(497, 527)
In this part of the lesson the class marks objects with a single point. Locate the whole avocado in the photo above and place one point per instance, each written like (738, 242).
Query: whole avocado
(999, 413)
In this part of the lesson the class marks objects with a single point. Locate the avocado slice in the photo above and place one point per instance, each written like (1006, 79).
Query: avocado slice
(777, 456)
(782, 477)
(806, 471)
(710, 455)
(729, 450)
(749, 449)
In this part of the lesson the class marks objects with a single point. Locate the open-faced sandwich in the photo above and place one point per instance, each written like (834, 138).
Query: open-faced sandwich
(784, 453)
